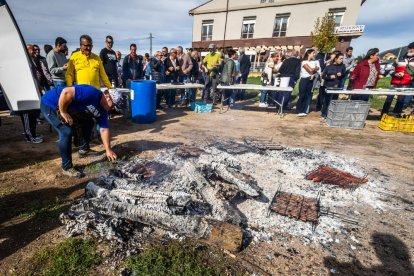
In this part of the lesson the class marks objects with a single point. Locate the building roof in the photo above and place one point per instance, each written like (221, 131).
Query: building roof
(215, 6)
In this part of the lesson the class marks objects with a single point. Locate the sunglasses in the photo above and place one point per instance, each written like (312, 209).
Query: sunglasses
(110, 42)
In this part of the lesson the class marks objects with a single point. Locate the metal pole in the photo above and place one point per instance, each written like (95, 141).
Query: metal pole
(150, 38)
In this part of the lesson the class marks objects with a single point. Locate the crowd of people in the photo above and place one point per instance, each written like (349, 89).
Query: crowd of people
(313, 71)
(77, 81)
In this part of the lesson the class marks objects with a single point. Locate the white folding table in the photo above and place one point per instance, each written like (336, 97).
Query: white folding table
(256, 87)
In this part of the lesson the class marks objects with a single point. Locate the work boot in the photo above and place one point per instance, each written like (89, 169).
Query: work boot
(88, 153)
(72, 172)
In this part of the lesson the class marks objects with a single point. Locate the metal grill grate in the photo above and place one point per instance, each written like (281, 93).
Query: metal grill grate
(296, 206)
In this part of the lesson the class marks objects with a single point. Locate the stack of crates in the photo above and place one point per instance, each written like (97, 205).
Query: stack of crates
(404, 124)
(347, 114)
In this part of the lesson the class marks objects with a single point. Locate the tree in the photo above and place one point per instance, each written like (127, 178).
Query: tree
(323, 35)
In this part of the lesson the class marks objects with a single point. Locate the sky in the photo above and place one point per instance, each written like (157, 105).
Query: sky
(388, 23)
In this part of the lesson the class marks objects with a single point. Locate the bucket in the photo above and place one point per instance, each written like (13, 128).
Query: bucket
(143, 101)
(284, 82)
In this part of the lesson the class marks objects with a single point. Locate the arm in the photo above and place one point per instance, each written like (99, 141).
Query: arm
(310, 69)
(187, 61)
(53, 66)
(102, 57)
(106, 140)
(103, 76)
(65, 99)
(70, 73)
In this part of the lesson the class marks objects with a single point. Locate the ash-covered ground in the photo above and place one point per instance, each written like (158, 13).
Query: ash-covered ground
(184, 187)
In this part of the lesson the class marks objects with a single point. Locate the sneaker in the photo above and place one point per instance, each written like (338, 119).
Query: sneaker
(88, 153)
(323, 116)
(72, 172)
(263, 105)
(302, 115)
(36, 140)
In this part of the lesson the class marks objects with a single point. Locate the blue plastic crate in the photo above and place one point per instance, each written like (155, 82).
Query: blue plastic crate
(201, 107)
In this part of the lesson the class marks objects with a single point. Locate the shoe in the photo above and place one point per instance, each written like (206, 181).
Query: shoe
(36, 140)
(263, 105)
(88, 153)
(302, 115)
(323, 116)
(72, 172)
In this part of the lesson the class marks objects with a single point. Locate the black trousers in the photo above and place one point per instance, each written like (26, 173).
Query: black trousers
(29, 121)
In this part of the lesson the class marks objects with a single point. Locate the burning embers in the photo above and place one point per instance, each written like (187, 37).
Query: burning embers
(336, 177)
(296, 206)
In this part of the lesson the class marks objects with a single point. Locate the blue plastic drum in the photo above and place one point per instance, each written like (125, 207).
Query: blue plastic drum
(143, 101)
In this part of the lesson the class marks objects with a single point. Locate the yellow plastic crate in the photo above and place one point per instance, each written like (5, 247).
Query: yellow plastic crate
(405, 124)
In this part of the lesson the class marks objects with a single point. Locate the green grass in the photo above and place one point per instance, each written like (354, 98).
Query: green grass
(182, 258)
(46, 208)
(71, 257)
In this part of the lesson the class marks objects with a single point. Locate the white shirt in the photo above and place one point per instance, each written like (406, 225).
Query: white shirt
(303, 72)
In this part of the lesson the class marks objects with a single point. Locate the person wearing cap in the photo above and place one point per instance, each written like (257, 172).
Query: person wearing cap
(212, 62)
(75, 107)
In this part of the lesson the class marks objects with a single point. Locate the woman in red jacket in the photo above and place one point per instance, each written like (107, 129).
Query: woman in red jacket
(366, 73)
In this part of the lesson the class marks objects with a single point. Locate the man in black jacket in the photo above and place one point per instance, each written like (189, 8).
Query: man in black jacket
(290, 68)
(109, 61)
(244, 70)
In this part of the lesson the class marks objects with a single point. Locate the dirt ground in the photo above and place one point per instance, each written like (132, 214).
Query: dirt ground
(31, 173)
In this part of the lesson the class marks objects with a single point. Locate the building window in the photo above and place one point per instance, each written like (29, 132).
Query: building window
(281, 24)
(262, 1)
(248, 27)
(207, 30)
(337, 15)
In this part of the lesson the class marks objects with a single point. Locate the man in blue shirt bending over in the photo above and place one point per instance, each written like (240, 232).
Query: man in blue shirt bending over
(64, 107)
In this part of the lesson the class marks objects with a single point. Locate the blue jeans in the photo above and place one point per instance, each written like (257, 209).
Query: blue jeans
(65, 135)
(263, 96)
(285, 95)
(187, 94)
(57, 83)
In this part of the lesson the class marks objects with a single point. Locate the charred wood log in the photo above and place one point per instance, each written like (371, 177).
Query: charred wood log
(221, 209)
(224, 235)
(244, 182)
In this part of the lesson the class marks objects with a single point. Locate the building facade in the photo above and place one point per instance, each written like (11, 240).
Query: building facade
(268, 25)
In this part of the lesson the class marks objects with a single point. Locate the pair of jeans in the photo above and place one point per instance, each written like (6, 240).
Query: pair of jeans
(170, 93)
(326, 99)
(263, 96)
(243, 80)
(57, 83)
(187, 95)
(210, 87)
(305, 92)
(65, 135)
(399, 105)
(285, 95)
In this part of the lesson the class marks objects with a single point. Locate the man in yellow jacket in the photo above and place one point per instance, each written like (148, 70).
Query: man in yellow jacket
(85, 67)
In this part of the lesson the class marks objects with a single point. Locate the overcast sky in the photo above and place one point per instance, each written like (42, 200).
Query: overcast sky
(388, 22)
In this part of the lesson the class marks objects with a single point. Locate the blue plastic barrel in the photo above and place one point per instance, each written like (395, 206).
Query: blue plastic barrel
(143, 101)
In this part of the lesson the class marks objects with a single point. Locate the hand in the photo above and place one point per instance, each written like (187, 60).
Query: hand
(65, 66)
(170, 68)
(111, 155)
(311, 77)
(400, 74)
(339, 74)
(68, 119)
(333, 77)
